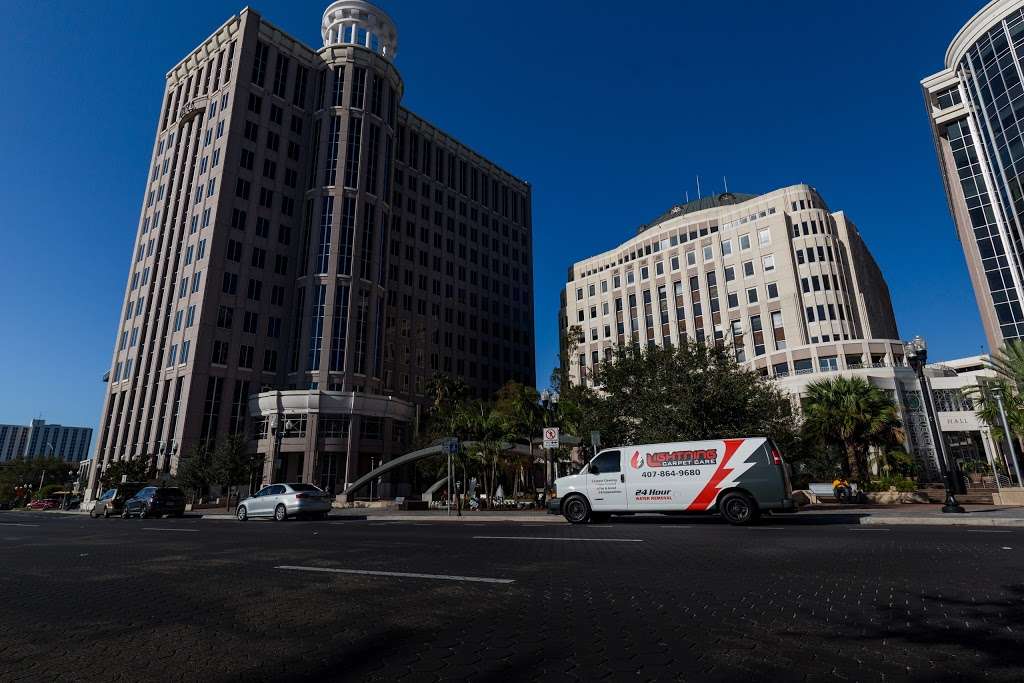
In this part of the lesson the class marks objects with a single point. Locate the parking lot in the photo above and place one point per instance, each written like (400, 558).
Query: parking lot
(648, 599)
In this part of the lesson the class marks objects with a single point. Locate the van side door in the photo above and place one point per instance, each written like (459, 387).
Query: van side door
(606, 482)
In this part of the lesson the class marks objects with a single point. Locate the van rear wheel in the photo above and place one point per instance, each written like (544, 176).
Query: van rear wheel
(576, 510)
(738, 508)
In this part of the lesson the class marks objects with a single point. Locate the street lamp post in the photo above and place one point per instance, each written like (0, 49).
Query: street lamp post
(998, 394)
(917, 355)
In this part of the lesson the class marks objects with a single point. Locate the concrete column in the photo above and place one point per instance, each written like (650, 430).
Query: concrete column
(311, 450)
(352, 450)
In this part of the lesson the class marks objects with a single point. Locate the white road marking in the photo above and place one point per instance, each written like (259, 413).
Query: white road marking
(555, 538)
(166, 528)
(405, 575)
(990, 531)
(16, 524)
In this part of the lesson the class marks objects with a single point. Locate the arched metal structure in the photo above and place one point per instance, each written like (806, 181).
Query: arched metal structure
(436, 449)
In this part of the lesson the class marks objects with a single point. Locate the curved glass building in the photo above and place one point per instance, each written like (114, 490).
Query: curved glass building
(976, 109)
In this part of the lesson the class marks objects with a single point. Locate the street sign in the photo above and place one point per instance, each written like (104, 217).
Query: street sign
(551, 437)
(451, 446)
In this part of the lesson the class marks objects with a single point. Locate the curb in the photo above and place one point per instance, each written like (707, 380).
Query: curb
(952, 520)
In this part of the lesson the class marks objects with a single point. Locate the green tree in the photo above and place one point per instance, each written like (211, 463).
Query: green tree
(517, 406)
(195, 471)
(852, 415)
(231, 464)
(1008, 364)
(22, 472)
(686, 392)
(127, 469)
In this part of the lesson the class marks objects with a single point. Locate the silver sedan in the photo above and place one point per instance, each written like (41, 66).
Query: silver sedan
(282, 501)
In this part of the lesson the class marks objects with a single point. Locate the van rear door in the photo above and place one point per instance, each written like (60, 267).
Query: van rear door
(606, 482)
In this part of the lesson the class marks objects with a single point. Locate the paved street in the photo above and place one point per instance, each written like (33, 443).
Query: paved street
(645, 599)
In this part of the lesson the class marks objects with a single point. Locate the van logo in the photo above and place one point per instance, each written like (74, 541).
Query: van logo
(707, 456)
(636, 461)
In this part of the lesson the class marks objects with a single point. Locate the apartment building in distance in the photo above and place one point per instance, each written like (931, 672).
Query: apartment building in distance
(779, 277)
(308, 254)
(39, 439)
(976, 110)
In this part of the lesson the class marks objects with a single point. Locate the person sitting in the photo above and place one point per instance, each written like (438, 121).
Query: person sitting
(841, 489)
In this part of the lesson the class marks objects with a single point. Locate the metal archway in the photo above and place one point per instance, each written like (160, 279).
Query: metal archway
(429, 451)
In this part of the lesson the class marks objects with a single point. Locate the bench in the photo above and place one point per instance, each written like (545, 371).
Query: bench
(822, 490)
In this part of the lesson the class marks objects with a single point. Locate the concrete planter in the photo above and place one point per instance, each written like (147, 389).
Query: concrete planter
(1009, 496)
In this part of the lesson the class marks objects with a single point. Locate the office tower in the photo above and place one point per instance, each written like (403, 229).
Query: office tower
(309, 253)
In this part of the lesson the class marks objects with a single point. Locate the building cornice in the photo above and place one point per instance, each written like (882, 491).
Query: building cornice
(987, 17)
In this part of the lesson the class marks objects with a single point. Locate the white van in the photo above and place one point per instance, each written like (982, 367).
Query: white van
(738, 478)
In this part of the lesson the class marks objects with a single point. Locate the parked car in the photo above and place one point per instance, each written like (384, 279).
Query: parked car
(44, 504)
(282, 501)
(155, 501)
(112, 501)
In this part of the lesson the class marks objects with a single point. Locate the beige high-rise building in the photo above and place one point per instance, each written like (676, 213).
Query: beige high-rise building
(781, 279)
(976, 109)
(787, 283)
(309, 253)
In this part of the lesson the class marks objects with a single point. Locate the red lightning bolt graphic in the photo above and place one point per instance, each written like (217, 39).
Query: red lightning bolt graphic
(707, 495)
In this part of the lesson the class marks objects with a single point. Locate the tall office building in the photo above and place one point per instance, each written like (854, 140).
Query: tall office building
(40, 439)
(309, 253)
(788, 284)
(976, 109)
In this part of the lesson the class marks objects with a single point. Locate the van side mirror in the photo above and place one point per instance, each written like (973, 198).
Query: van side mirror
(593, 469)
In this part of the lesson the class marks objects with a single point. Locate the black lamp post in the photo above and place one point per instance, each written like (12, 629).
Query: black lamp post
(917, 355)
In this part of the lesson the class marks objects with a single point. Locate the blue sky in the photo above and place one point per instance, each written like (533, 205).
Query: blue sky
(609, 115)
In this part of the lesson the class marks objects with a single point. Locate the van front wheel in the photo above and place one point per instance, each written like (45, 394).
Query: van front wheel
(576, 510)
(738, 508)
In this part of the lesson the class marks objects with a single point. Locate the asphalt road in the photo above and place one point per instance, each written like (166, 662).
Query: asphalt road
(651, 599)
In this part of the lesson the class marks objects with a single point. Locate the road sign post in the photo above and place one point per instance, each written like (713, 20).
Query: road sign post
(451, 447)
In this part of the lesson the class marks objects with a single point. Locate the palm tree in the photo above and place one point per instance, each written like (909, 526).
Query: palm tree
(850, 413)
(1008, 362)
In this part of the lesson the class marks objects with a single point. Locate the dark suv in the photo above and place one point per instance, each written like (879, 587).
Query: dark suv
(112, 501)
(155, 501)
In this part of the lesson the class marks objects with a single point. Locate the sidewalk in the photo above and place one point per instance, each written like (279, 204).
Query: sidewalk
(924, 514)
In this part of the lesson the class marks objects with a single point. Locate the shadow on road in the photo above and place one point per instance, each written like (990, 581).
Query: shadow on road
(799, 519)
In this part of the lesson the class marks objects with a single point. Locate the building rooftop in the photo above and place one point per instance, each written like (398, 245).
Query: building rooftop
(710, 202)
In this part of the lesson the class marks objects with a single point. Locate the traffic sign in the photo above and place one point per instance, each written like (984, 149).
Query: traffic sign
(451, 446)
(551, 437)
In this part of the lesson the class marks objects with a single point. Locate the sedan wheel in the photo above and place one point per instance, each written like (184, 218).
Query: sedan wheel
(242, 513)
(280, 513)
